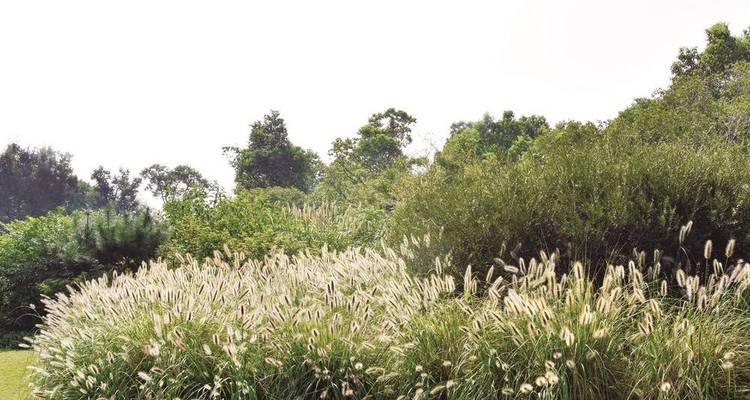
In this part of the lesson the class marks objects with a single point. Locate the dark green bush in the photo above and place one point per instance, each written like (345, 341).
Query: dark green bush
(124, 240)
(11, 340)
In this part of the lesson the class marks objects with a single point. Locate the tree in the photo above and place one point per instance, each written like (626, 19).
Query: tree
(169, 184)
(506, 137)
(117, 190)
(270, 159)
(380, 142)
(722, 50)
(33, 182)
(695, 106)
(366, 167)
(103, 187)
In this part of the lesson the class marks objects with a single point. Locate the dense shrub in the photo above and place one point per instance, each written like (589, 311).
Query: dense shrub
(39, 256)
(357, 325)
(122, 240)
(597, 198)
(34, 255)
(253, 223)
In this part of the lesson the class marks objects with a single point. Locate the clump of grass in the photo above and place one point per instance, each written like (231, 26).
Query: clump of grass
(357, 324)
(315, 326)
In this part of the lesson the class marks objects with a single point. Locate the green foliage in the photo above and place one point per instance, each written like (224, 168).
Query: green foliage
(255, 222)
(34, 254)
(33, 182)
(116, 190)
(281, 195)
(367, 168)
(345, 182)
(721, 52)
(119, 240)
(607, 195)
(596, 192)
(270, 159)
(506, 137)
(11, 340)
(709, 95)
(40, 256)
(379, 143)
(170, 183)
(37, 181)
(693, 107)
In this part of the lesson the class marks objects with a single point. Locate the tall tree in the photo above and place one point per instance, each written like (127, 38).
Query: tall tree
(270, 159)
(380, 142)
(117, 190)
(722, 50)
(171, 183)
(103, 187)
(366, 167)
(34, 181)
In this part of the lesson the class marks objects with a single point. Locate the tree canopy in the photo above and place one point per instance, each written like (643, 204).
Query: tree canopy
(722, 50)
(270, 159)
(506, 137)
(35, 181)
(366, 167)
(171, 183)
(117, 190)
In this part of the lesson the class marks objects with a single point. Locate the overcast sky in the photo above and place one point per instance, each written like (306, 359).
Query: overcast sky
(132, 83)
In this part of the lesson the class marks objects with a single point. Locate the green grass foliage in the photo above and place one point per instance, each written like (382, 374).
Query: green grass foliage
(14, 374)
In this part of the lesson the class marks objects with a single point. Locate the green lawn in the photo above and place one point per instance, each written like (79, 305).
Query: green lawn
(13, 373)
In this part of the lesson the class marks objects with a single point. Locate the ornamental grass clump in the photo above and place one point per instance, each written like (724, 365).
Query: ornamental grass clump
(312, 326)
(358, 324)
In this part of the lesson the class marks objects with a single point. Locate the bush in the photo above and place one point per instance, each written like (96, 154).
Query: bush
(122, 240)
(356, 325)
(40, 256)
(11, 340)
(33, 254)
(254, 224)
(609, 195)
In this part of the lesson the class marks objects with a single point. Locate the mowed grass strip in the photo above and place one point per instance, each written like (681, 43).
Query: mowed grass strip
(13, 374)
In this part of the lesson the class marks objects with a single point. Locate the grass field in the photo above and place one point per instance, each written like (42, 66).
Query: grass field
(13, 373)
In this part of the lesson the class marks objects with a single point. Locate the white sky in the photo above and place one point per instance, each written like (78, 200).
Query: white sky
(137, 82)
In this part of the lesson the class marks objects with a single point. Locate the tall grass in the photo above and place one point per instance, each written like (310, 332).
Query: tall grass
(358, 324)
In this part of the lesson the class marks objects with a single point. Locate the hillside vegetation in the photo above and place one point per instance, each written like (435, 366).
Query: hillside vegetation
(574, 260)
